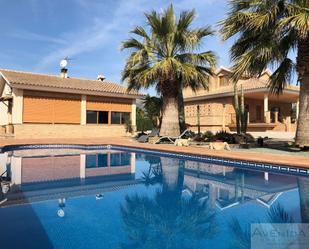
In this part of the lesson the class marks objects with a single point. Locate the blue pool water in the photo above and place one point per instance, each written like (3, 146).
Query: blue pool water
(72, 198)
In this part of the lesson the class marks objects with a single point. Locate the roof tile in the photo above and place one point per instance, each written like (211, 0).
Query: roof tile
(52, 81)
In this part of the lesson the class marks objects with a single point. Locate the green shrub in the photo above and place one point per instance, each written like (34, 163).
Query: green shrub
(208, 136)
(224, 137)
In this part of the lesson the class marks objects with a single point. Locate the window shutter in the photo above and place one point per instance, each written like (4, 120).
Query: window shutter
(37, 110)
(67, 111)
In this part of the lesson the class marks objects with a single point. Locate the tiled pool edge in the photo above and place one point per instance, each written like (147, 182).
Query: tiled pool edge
(225, 161)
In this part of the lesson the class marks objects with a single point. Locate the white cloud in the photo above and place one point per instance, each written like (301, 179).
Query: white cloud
(107, 29)
(90, 38)
(25, 35)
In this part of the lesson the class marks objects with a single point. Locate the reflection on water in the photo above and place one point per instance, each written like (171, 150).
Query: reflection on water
(26, 175)
(144, 201)
(166, 220)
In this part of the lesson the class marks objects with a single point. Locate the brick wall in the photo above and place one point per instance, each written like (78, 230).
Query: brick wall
(212, 113)
(67, 131)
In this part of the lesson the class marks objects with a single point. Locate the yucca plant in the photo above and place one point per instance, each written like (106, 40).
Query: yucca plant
(166, 56)
(266, 32)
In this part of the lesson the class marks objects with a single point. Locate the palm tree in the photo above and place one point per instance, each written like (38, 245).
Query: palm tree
(166, 57)
(153, 108)
(266, 33)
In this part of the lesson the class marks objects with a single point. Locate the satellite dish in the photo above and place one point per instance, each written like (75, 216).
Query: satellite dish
(63, 63)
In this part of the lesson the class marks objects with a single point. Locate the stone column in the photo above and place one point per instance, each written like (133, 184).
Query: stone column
(16, 170)
(297, 109)
(82, 170)
(83, 110)
(266, 112)
(288, 123)
(132, 163)
(266, 176)
(133, 115)
(276, 114)
(223, 118)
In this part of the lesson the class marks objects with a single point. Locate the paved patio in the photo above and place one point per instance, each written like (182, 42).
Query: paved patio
(293, 161)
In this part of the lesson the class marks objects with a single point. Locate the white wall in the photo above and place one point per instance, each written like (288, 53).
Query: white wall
(3, 113)
(3, 107)
(3, 160)
(17, 110)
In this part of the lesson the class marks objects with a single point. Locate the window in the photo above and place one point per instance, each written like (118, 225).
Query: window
(97, 117)
(224, 81)
(115, 117)
(120, 117)
(120, 159)
(258, 113)
(91, 117)
(91, 161)
(102, 160)
(96, 161)
(103, 118)
(125, 117)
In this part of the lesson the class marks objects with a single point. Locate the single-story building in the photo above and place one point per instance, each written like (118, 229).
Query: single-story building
(266, 112)
(47, 106)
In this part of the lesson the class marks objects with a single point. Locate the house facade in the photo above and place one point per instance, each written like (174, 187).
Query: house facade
(266, 111)
(45, 106)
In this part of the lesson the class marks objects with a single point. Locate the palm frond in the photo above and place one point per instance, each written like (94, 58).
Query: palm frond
(241, 236)
(282, 76)
(298, 21)
(277, 214)
(140, 31)
(185, 20)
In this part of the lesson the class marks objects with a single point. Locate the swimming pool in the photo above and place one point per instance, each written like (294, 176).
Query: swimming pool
(111, 197)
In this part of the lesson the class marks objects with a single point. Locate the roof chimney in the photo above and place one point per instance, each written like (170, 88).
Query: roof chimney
(64, 73)
(101, 77)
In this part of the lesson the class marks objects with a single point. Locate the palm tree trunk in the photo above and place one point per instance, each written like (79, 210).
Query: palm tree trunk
(181, 109)
(170, 170)
(170, 108)
(303, 190)
(302, 133)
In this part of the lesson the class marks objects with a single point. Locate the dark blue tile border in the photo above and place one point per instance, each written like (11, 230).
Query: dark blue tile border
(193, 157)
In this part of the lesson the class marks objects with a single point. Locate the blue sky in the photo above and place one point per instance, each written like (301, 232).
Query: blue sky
(37, 34)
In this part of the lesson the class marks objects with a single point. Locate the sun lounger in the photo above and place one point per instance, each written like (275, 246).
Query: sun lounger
(171, 139)
(144, 138)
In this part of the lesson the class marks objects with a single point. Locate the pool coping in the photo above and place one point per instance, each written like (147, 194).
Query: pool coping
(182, 153)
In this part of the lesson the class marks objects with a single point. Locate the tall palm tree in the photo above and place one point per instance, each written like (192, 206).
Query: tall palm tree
(266, 33)
(167, 57)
